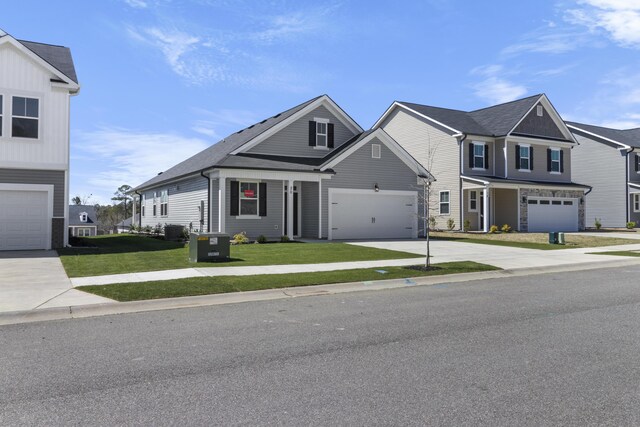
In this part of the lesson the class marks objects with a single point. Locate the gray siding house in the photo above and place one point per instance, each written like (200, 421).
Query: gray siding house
(307, 172)
(609, 161)
(83, 221)
(505, 164)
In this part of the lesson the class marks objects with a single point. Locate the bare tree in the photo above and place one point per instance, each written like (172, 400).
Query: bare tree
(81, 200)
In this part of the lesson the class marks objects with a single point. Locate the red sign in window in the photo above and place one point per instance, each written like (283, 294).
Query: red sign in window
(249, 193)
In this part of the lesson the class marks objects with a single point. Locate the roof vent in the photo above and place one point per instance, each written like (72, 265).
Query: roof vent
(250, 126)
(277, 115)
(240, 131)
(159, 173)
(263, 121)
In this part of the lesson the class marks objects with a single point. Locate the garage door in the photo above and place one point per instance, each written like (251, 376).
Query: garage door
(24, 221)
(362, 214)
(551, 214)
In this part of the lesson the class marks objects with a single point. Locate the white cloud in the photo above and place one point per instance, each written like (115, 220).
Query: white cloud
(294, 24)
(619, 19)
(495, 87)
(626, 121)
(137, 4)
(216, 124)
(546, 40)
(122, 156)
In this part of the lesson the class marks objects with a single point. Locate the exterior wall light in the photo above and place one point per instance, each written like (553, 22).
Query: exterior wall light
(375, 187)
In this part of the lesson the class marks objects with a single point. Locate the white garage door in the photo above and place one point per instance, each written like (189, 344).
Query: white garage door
(550, 214)
(366, 214)
(24, 220)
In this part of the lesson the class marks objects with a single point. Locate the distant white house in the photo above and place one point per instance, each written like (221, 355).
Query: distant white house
(123, 226)
(36, 83)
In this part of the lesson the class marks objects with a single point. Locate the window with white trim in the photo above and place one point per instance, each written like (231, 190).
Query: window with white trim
(248, 198)
(525, 158)
(1, 115)
(555, 160)
(83, 217)
(473, 201)
(155, 207)
(478, 156)
(142, 204)
(444, 203)
(321, 133)
(636, 202)
(375, 151)
(83, 232)
(637, 159)
(164, 203)
(539, 110)
(25, 113)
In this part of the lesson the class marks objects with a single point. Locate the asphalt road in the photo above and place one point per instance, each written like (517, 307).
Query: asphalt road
(537, 350)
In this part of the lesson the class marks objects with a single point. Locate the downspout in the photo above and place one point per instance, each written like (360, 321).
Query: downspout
(626, 184)
(139, 208)
(208, 200)
(460, 194)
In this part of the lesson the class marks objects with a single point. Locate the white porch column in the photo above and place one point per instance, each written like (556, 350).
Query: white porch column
(290, 209)
(134, 211)
(485, 205)
(319, 209)
(222, 205)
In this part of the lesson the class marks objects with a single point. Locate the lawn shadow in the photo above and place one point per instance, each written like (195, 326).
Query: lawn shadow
(118, 244)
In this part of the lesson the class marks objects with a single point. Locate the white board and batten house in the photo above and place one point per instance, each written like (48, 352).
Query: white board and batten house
(307, 172)
(36, 83)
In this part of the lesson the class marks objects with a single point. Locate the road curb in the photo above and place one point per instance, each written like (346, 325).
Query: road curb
(93, 310)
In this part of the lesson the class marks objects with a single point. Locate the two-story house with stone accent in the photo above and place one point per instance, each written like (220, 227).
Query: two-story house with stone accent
(505, 164)
(310, 171)
(36, 83)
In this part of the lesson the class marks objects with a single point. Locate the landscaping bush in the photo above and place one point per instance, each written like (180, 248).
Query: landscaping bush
(506, 228)
(451, 224)
(467, 225)
(158, 229)
(493, 229)
(261, 239)
(285, 239)
(598, 224)
(240, 238)
(631, 225)
(432, 223)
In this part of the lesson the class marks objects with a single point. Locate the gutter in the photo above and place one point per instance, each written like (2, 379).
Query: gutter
(461, 139)
(140, 208)
(628, 150)
(208, 199)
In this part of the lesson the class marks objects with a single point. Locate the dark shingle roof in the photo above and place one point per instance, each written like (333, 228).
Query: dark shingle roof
(76, 210)
(500, 180)
(58, 57)
(630, 137)
(219, 153)
(492, 121)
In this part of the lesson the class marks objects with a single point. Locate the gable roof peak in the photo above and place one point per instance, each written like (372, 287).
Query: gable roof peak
(509, 102)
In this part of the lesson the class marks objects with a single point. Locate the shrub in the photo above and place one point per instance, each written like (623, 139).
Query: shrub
(147, 229)
(466, 225)
(493, 229)
(451, 224)
(240, 238)
(631, 225)
(598, 224)
(506, 228)
(432, 223)
(157, 230)
(285, 239)
(261, 239)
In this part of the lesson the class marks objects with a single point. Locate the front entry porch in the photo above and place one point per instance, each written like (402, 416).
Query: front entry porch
(486, 206)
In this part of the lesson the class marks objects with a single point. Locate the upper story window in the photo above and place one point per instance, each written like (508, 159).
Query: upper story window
(524, 157)
(25, 113)
(478, 155)
(83, 217)
(375, 151)
(637, 163)
(320, 133)
(155, 207)
(555, 160)
(248, 198)
(164, 203)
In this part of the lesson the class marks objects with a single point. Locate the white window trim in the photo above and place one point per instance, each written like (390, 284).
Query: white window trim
(39, 118)
(528, 158)
(440, 203)
(636, 159)
(484, 147)
(143, 205)
(539, 111)
(257, 214)
(559, 161)
(154, 209)
(164, 194)
(373, 151)
(2, 114)
(636, 202)
(326, 134)
(469, 200)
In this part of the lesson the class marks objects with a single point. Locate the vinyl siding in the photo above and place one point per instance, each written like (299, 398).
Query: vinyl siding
(602, 167)
(293, 140)
(270, 225)
(361, 171)
(437, 151)
(499, 156)
(505, 204)
(532, 124)
(309, 205)
(49, 177)
(539, 172)
(183, 204)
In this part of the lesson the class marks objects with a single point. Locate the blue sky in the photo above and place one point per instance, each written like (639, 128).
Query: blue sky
(163, 79)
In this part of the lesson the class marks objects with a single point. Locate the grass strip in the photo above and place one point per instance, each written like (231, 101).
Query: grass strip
(223, 284)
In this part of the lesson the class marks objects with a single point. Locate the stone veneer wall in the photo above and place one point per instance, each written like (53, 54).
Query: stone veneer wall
(534, 192)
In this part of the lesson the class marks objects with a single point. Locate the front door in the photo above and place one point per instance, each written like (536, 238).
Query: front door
(296, 211)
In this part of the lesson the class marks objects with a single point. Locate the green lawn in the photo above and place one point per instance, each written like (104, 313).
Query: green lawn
(531, 240)
(618, 253)
(224, 284)
(128, 254)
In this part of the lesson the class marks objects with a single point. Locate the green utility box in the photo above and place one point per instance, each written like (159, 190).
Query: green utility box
(553, 237)
(205, 247)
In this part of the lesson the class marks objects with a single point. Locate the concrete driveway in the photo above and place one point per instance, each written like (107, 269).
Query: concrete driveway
(32, 279)
(500, 256)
